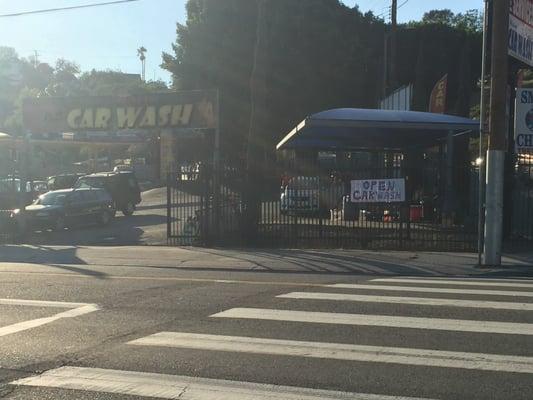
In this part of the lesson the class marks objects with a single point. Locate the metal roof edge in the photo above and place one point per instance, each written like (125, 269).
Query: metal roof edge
(292, 133)
(474, 126)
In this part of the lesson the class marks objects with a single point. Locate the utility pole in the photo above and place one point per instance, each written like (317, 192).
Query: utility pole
(497, 134)
(482, 130)
(393, 35)
(385, 65)
(258, 121)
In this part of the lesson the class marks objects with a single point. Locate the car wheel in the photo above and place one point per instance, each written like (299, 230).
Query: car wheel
(105, 218)
(128, 209)
(59, 224)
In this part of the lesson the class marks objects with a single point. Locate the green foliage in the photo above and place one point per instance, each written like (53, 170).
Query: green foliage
(21, 78)
(428, 51)
(13, 122)
(469, 21)
(316, 55)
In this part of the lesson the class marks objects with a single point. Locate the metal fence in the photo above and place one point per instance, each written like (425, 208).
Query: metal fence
(317, 211)
(187, 205)
(205, 208)
(519, 205)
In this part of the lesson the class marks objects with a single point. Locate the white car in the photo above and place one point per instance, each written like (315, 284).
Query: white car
(302, 195)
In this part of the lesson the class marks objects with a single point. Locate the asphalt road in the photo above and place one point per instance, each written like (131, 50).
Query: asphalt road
(140, 322)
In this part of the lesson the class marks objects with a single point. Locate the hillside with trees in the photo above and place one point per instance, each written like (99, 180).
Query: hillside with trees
(316, 55)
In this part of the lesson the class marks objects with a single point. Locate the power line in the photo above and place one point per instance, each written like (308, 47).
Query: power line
(389, 9)
(387, 12)
(403, 4)
(50, 10)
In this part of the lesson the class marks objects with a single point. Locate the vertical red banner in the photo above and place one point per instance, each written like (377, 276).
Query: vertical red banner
(437, 100)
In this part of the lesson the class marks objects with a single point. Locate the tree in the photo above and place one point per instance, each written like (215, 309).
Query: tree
(470, 21)
(443, 17)
(321, 54)
(141, 51)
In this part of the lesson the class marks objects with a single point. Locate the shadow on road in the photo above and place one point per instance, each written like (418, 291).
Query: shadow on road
(60, 258)
(81, 271)
(39, 254)
(319, 262)
(121, 231)
(354, 263)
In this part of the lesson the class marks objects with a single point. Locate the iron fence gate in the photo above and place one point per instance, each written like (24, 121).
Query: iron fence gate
(209, 208)
(318, 212)
(187, 203)
(518, 213)
(204, 207)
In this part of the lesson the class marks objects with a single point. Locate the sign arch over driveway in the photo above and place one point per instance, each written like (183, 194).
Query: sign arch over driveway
(188, 109)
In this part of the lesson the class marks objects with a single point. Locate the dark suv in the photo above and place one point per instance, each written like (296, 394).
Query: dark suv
(122, 186)
(68, 207)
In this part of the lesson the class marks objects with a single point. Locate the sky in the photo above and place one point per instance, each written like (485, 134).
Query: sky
(108, 37)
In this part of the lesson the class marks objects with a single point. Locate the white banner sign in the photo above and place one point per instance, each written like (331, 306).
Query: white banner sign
(523, 123)
(378, 190)
(521, 31)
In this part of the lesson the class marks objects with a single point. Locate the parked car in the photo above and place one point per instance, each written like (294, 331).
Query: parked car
(39, 187)
(301, 195)
(65, 208)
(63, 181)
(311, 195)
(122, 186)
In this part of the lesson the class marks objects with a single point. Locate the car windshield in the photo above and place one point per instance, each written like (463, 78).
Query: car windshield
(52, 199)
(89, 182)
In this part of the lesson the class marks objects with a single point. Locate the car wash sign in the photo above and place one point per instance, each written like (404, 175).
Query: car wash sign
(524, 119)
(521, 31)
(194, 109)
(378, 190)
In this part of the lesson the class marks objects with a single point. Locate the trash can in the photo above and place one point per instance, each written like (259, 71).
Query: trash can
(416, 212)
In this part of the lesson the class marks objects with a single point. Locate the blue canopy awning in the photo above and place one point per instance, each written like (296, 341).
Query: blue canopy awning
(357, 128)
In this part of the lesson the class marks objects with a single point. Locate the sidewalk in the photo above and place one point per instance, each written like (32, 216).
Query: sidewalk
(357, 262)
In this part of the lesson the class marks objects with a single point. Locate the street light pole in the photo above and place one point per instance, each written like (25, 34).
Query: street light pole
(497, 134)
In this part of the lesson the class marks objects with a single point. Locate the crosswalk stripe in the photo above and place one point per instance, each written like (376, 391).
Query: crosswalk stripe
(430, 289)
(419, 301)
(181, 387)
(34, 323)
(40, 303)
(441, 324)
(458, 282)
(338, 351)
